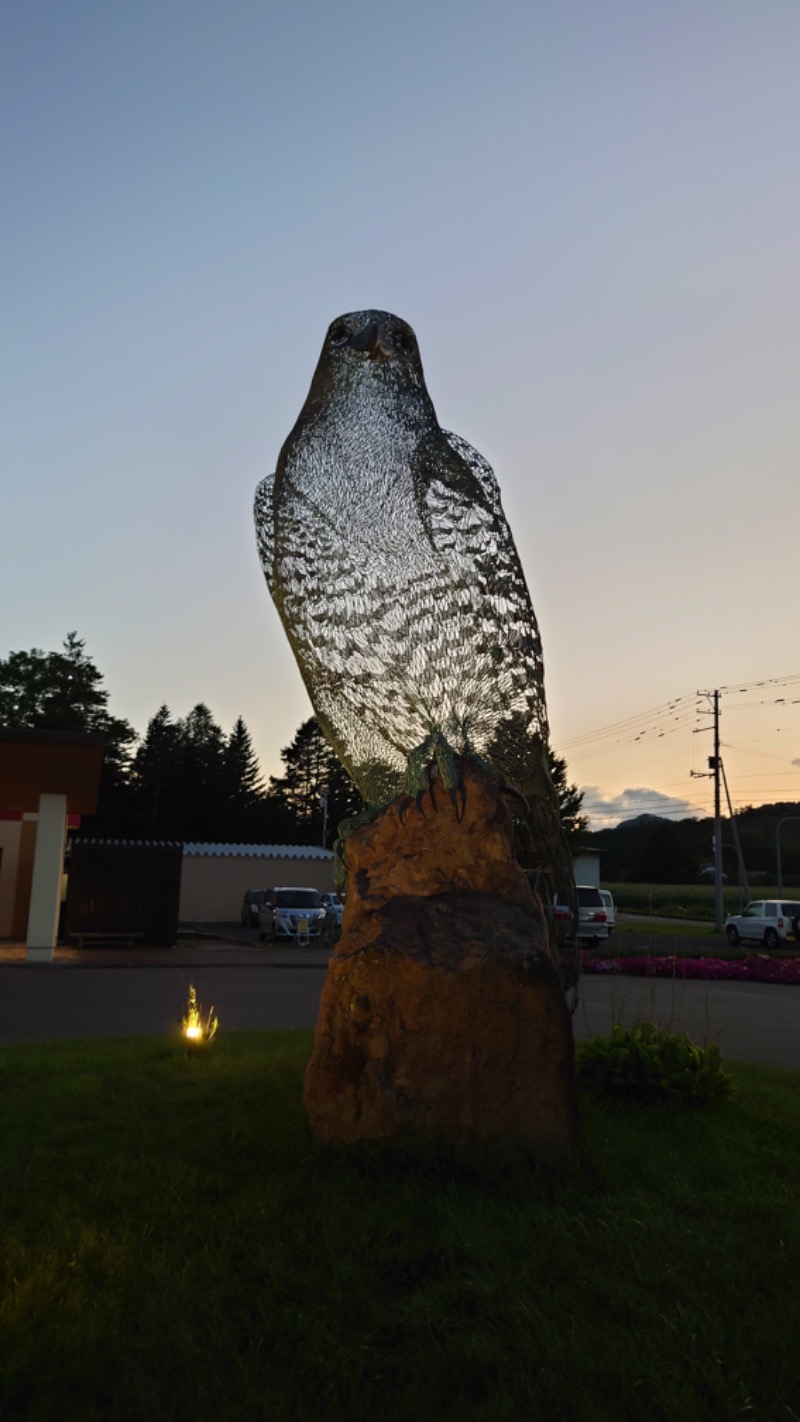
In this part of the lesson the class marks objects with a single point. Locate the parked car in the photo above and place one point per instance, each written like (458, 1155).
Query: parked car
(769, 921)
(292, 913)
(251, 903)
(610, 908)
(592, 921)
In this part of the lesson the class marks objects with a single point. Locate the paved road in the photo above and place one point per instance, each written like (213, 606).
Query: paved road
(756, 1022)
(753, 1021)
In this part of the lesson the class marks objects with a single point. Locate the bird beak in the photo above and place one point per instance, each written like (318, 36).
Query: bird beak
(372, 341)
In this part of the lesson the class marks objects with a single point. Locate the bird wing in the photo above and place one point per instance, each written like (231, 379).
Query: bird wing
(461, 510)
(264, 515)
(480, 470)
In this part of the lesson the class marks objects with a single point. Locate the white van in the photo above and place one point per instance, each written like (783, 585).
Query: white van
(611, 912)
(592, 923)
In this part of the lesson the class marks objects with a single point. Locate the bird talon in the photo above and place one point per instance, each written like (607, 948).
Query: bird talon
(459, 814)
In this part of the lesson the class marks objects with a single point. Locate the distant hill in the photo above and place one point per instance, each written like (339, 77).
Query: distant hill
(646, 820)
(650, 849)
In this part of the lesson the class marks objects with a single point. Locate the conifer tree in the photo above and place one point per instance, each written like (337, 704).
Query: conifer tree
(155, 776)
(570, 799)
(313, 771)
(244, 787)
(201, 760)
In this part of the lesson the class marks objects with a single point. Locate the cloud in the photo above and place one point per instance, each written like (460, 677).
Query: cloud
(606, 811)
(797, 762)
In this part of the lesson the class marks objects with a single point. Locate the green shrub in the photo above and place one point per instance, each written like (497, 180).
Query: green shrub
(647, 1063)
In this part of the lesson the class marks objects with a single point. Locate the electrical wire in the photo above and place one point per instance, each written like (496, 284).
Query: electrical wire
(665, 720)
(656, 715)
(791, 680)
(634, 727)
(765, 755)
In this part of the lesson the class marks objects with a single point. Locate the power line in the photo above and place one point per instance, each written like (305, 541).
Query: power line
(769, 681)
(633, 732)
(775, 794)
(616, 817)
(587, 753)
(766, 701)
(665, 720)
(745, 750)
(676, 805)
(776, 730)
(634, 727)
(640, 716)
(658, 713)
(759, 774)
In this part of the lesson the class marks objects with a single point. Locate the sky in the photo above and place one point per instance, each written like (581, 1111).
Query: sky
(589, 213)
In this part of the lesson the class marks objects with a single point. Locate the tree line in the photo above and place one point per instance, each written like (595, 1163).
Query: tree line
(185, 778)
(653, 850)
(188, 779)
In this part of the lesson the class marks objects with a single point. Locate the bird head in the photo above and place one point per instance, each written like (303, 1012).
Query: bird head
(373, 335)
(369, 346)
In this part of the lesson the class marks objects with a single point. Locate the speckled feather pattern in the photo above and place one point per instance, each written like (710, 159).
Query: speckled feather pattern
(385, 547)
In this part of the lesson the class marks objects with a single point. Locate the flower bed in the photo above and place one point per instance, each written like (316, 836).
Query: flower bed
(756, 968)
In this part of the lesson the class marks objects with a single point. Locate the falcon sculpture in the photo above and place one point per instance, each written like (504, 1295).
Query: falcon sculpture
(386, 550)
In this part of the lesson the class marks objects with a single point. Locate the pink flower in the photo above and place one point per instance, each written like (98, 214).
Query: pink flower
(758, 968)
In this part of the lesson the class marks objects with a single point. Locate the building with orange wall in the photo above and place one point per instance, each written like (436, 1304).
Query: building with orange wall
(45, 777)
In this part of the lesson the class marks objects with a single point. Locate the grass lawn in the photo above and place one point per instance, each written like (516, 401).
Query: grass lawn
(174, 1246)
(671, 930)
(681, 940)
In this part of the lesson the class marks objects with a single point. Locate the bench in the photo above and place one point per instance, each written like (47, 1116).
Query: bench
(106, 937)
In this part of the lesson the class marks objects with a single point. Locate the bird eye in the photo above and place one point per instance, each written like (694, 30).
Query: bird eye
(404, 342)
(339, 334)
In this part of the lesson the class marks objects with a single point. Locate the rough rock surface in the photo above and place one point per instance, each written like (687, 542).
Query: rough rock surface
(442, 1015)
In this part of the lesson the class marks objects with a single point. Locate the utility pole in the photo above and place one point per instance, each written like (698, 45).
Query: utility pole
(714, 768)
(714, 764)
(744, 887)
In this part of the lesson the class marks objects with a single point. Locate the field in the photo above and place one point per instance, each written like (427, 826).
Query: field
(685, 901)
(175, 1246)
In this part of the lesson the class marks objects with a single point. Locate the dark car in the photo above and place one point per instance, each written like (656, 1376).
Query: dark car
(251, 903)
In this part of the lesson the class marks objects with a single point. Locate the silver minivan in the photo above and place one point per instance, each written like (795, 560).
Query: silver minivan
(295, 913)
(592, 923)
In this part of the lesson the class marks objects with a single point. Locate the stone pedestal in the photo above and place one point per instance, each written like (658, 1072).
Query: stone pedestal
(442, 1015)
